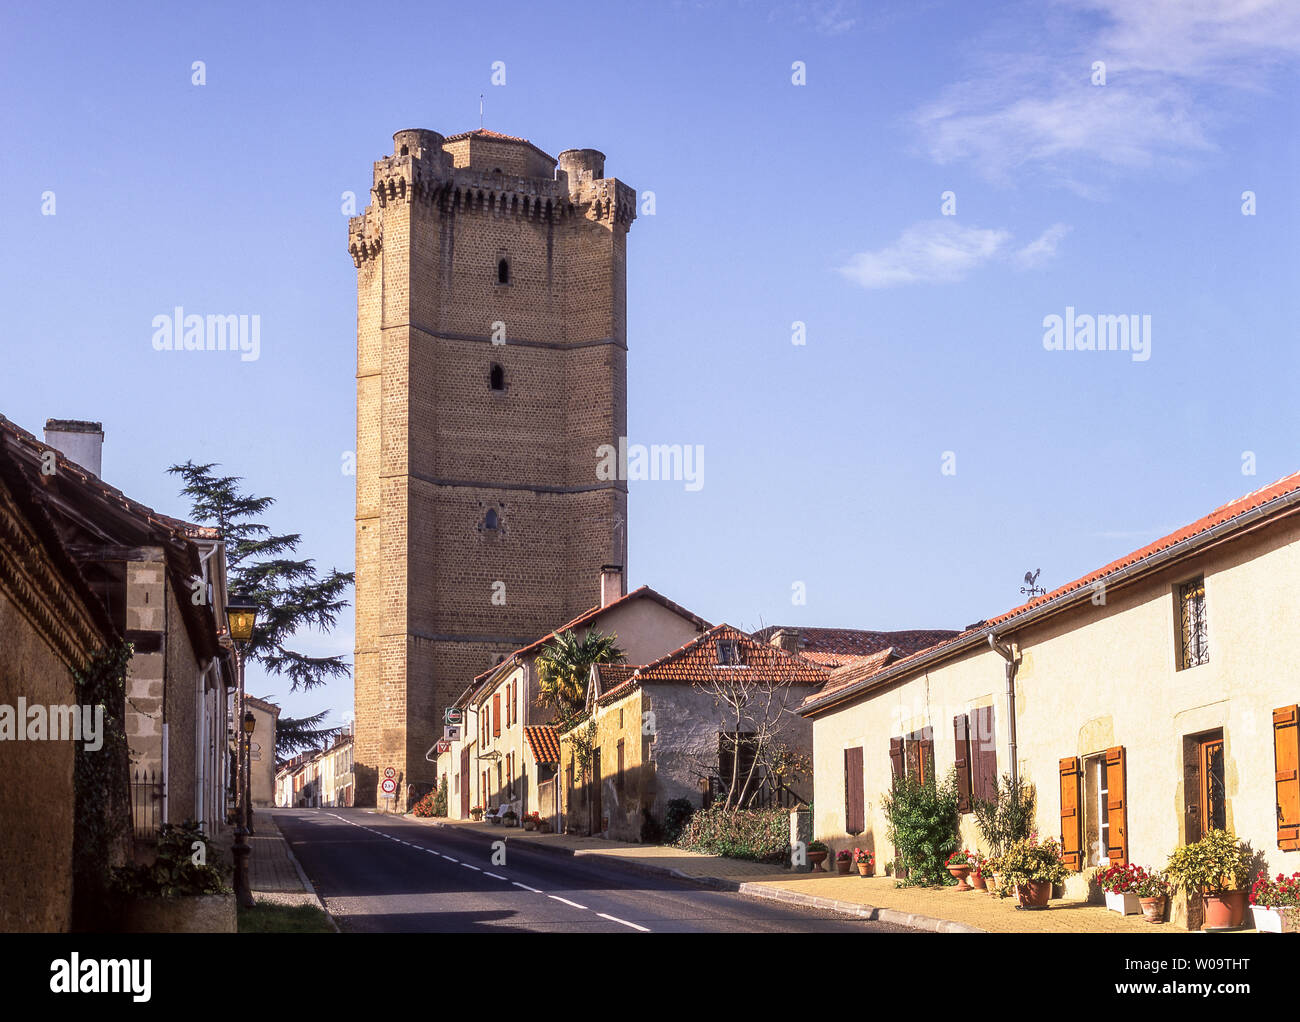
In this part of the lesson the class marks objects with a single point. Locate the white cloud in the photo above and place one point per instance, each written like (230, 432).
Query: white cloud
(1042, 249)
(943, 252)
(1168, 66)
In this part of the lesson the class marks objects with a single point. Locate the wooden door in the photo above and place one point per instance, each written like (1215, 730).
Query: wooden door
(464, 783)
(1212, 792)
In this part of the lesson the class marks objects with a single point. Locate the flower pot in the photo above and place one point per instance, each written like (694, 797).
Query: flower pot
(1126, 904)
(815, 859)
(978, 882)
(1035, 894)
(1224, 910)
(530, 824)
(1284, 919)
(842, 866)
(960, 873)
(1153, 909)
(866, 869)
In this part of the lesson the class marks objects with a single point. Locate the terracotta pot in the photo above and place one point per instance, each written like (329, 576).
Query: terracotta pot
(960, 873)
(842, 866)
(978, 882)
(1035, 894)
(1224, 910)
(1153, 909)
(815, 860)
(866, 869)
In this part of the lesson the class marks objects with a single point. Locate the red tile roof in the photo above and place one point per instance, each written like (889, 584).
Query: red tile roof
(851, 676)
(854, 642)
(587, 616)
(697, 663)
(544, 742)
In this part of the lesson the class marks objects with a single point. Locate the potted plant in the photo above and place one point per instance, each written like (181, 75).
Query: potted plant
(1217, 867)
(1275, 904)
(817, 852)
(1032, 868)
(1152, 890)
(959, 865)
(510, 818)
(992, 870)
(865, 861)
(530, 821)
(476, 813)
(843, 860)
(1119, 882)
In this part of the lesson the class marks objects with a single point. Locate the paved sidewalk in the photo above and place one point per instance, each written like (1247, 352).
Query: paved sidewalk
(273, 873)
(941, 909)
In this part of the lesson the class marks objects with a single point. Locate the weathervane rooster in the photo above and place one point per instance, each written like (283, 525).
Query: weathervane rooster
(1030, 588)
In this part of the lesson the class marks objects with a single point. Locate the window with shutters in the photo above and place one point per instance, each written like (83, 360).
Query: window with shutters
(1193, 633)
(496, 714)
(1286, 775)
(913, 755)
(961, 761)
(1096, 815)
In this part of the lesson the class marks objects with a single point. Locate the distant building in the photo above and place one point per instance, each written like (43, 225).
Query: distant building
(262, 751)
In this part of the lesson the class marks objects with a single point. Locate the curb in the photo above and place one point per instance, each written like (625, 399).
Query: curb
(307, 884)
(759, 890)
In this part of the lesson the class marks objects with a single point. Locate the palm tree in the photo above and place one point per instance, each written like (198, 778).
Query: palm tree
(564, 664)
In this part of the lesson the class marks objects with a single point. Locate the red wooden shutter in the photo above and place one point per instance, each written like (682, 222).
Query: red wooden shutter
(496, 713)
(1071, 821)
(854, 806)
(984, 755)
(896, 758)
(961, 756)
(1286, 763)
(1116, 805)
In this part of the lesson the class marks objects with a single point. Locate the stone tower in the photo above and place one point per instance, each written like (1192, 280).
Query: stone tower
(491, 365)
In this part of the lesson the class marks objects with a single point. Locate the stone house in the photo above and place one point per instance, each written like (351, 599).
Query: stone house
(261, 754)
(53, 624)
(659, 732)
(508, 749)
(1147, 701)
(161, 582)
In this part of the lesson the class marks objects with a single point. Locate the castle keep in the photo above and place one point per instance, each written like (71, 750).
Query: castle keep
(491, 364)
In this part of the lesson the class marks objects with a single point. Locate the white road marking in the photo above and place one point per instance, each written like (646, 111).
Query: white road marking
(525, 887)
(556, 897)
(474, 868)
(449, 858)
(497, 876)
(624, 922)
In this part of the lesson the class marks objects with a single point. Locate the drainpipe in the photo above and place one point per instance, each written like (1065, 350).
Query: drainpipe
(1007, 654)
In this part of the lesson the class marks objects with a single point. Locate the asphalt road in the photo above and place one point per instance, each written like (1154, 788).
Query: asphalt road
(383, 873)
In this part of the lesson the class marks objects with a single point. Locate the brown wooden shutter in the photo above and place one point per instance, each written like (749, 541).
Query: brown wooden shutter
(1286, 764)
(1071, 820)
(927, 754)
(496, 713)
(961, 757)
(854, 805)
(1116, 805)
(983, 755)
(896, 758)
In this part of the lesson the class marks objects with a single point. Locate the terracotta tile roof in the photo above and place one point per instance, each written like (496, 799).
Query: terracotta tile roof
(852, 676)
(587, 616)
(544, 742)
(697, 663)
(858, 670)
(857, 641)
(497, 137)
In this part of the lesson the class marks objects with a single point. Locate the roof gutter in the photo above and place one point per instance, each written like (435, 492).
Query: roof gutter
(1285, 503)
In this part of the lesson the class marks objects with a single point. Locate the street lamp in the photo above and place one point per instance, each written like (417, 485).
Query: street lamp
(241, 617)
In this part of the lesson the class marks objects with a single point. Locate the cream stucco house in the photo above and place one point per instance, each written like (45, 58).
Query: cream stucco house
(1147, 701)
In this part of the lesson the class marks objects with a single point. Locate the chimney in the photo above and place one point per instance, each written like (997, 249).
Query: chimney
(611, 584)
(786, 639)
(80, 442)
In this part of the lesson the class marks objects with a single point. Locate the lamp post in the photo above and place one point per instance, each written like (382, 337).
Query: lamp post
(241, 616)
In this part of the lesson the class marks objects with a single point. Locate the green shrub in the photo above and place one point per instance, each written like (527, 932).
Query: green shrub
(762, 835)
(1008, 817)
(652, 833)
(678, 815)
(175, 873)
(923, 820)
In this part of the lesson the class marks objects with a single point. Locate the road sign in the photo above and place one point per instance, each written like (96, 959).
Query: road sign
(444, 745)
(451, 733)
(453, 715)
(388, 787)
(390, 772)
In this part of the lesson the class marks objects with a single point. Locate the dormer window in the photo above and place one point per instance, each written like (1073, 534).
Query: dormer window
(729, 653)
(497, 377)
(503, 271)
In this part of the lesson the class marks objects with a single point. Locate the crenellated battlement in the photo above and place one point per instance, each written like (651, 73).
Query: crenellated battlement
(478, 172)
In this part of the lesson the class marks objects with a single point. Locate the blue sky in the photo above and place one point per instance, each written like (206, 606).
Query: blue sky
(774, 203)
